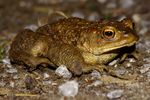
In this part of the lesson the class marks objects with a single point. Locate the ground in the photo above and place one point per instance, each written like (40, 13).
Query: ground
(17, 83)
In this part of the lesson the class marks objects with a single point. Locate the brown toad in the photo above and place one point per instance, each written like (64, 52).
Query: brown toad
(79, 44)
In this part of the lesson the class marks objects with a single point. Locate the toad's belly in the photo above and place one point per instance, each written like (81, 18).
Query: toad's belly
(98, 59)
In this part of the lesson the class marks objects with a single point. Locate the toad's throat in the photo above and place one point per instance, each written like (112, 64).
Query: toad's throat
(114, 49)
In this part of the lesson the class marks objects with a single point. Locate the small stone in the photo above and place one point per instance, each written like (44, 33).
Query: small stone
(128, 65)
(136, 18)
(95, 74)
(147, 59)
(96, 83)
(120, 71)
(69, 89)
(93, 16)
(126, 3)
(12, 84)
(145, 68)
(78, 14)
(11, 70)
(63, 72)
(30, 82)
(148, 74)
(25, 4)
(101, 1)
(111, 5)
(49, 1)
(32, 27)
(6, 61)
(2, 84)
(143, 30)
(115, 94)
(15, 77)
(46, 75)
(132, 60)
(47, 82)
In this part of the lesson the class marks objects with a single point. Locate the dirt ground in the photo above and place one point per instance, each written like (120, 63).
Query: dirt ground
(16, 83)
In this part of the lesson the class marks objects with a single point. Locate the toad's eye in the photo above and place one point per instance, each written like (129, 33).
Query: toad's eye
(108, 34)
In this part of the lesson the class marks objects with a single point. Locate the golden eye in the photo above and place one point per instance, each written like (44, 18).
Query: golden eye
(108, 34)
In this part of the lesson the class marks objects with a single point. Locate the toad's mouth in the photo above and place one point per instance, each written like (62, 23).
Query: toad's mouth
(115, 49)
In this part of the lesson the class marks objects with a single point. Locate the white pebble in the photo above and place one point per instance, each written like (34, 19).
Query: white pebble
(115, 94)
(132, 60)
(93, 16)
(63, 72)
(12, 84)
(120, 71)
(46, 75)
(136, 18)
(95, 74)
(6, 61)
(78, 14)
(102, 1)
(47, 82)
(126, 3)
(128, 65)
(11, 70)
(2, 84)
(69, 89)
(96, 83)
(31, 27)
(145, 68)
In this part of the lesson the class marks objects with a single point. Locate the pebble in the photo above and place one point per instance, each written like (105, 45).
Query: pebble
(46, 75)
(25, 4)
(136, 18)
(69, 89)
(131, 60)
(50, 1)
(120, 71)
(2, 84)
(101, 1)
(16, 77)
(148, 75)
(95, 74)
(77, 14)
(12, 84)
(12, 70)
(93, 16)
(145, 68)
(32, 27)
(126, 3)
(128, 65)
(6, 61)
(47, 82)
(111, 5)
(63, 72)
(96, 83)
(115, 94)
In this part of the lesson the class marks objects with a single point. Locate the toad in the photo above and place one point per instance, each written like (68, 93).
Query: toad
(79, 44)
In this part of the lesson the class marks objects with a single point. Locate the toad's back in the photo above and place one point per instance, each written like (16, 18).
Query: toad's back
(68, 30)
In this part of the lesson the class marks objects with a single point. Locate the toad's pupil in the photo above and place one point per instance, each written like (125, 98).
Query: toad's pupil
(108, 33)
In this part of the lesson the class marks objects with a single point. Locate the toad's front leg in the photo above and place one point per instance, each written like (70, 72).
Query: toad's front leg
(73, 59)
(70, 56)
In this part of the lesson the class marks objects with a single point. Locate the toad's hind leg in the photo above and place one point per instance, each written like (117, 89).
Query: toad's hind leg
(29, 60)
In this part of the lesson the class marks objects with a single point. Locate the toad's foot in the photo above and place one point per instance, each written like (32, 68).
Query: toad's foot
(103, 68)
(135, 54)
